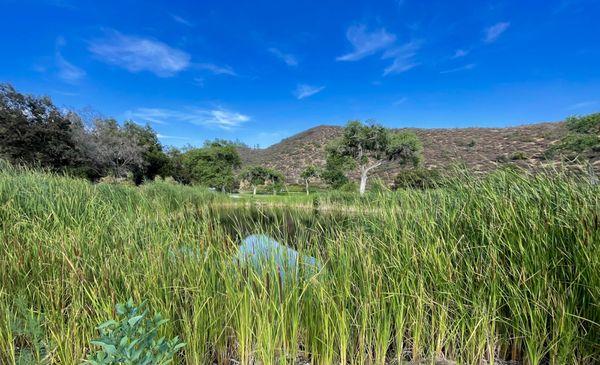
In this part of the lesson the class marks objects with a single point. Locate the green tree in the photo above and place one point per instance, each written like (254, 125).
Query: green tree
(370, 146)
(176, 167)
(275, 180)
(255, 176)
(334, 172)
(33, 131)
(155, 160)
(214, 164)
(308, 173)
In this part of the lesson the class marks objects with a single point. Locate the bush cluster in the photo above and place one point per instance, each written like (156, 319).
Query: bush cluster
(582, 141)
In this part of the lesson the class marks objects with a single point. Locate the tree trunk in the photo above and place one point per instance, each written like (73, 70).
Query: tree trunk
(364, 170)
(363, 180)
(254, 190)
(306, 182)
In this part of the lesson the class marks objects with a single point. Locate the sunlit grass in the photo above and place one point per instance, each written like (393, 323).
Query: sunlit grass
(506, 267)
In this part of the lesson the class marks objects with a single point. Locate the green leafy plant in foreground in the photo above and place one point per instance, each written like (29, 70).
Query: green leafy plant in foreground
(133, 339)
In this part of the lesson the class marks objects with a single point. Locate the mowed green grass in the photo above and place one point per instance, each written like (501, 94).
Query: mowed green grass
(502, 268)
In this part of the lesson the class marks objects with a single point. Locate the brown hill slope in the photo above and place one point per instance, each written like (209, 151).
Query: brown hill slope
(480, 149)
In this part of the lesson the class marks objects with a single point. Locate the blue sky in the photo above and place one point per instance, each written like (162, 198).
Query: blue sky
(260, 71)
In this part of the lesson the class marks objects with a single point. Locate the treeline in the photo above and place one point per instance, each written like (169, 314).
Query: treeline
(35, 132)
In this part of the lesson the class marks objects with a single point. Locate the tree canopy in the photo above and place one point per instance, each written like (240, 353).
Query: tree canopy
(257, 176)
(213, 165)
(311, 171)
(33, 131)
(369, 146)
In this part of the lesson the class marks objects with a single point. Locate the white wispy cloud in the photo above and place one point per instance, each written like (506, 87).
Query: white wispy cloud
(366, 43)
(223, 118)
(583, 104)
(181, 20)
(460, 53)
(492, 33)
(163, 136)
(469, 66)
(137, 54)
(216, 69)
(67, 71)
(217, 117)
(304, 91)
(289, 59)
(400, 101)
(403, 57)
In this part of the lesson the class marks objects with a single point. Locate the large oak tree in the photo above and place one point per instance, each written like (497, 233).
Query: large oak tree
(369, 146)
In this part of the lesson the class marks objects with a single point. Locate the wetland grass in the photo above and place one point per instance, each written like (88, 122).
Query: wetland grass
(501, 268)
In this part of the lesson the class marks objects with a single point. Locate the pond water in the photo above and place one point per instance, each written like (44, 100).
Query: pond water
(259, 251)
(286, 225)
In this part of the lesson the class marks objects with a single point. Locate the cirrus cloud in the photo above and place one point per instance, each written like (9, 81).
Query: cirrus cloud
(304, 91)
(366, 43)
(460, 53)
(67, 71)
(469, 66)
(181, 20)
(287, 58)
(216, 69)
(216, 117)
(137, 54)
(492, 33)
(403, 57)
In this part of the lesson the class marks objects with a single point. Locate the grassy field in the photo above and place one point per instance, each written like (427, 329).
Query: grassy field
(505, 268)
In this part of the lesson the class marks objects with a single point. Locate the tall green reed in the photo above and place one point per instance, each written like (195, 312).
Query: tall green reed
(501, 268)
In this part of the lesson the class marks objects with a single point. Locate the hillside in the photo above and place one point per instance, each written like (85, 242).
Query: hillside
(480, 149)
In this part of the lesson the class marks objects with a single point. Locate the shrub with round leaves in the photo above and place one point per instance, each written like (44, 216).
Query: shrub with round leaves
(133, 339)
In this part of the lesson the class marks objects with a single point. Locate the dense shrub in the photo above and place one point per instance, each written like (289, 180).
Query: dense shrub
(587, 124)
(518, 156)
(582, 141)
(133, 339)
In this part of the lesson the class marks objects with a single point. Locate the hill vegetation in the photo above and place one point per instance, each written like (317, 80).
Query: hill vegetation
(480, 150)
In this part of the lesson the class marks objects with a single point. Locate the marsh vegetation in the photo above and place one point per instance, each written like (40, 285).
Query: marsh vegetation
(505, 267)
